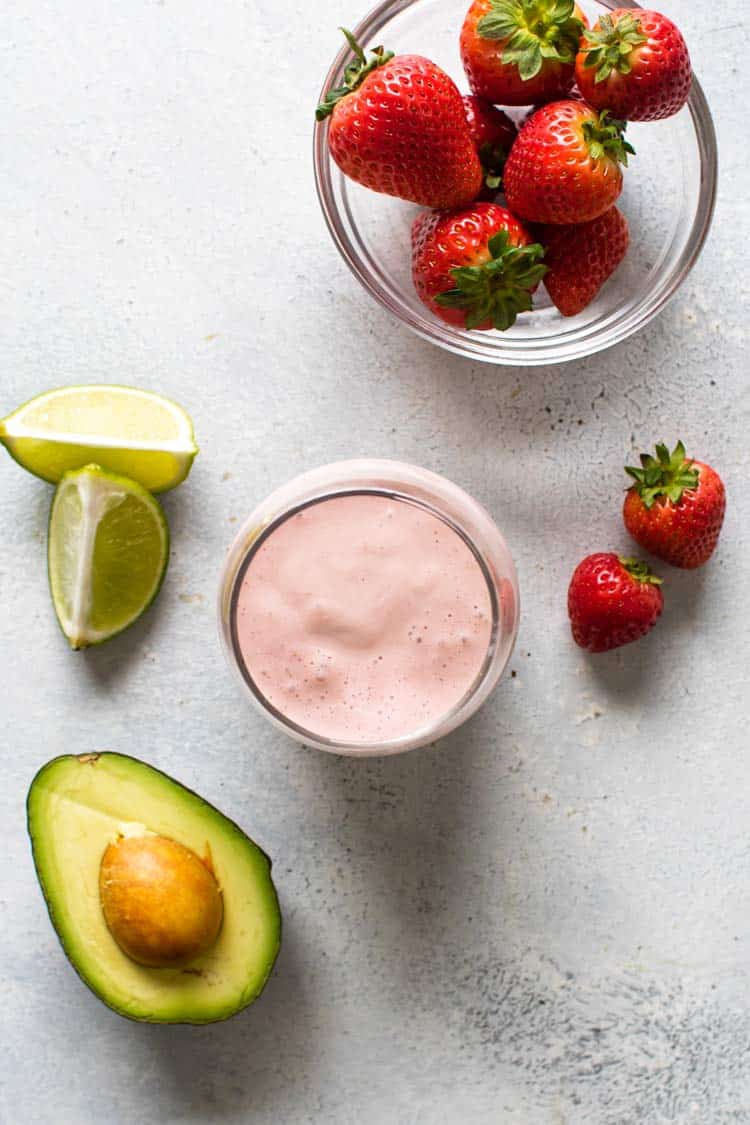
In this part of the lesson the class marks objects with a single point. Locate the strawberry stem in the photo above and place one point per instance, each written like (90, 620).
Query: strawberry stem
(354, 74)
(497, 290)
(609, 46)
(605, 137)
(640, 571)
(533, 31)
(668, 474)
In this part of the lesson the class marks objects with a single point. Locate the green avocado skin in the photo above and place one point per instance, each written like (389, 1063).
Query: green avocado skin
(146, 773)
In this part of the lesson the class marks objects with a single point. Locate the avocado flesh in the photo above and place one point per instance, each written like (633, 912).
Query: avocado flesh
(79, 805)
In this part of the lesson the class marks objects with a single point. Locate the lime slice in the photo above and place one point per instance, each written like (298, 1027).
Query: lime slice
(136, 433)
(107, 553)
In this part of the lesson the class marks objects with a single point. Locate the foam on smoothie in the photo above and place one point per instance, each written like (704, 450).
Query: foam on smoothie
(363, 618)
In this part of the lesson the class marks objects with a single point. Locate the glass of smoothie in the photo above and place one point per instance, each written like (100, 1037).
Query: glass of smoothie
(369, 607)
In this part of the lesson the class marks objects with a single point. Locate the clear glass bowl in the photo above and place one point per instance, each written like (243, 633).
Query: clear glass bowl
(398, 481)
(668, 199)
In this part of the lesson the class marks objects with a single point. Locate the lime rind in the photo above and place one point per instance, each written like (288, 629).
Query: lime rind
(131, 432)
(102, 580)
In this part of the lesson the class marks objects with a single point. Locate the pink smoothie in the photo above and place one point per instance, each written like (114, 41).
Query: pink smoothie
(363, 618)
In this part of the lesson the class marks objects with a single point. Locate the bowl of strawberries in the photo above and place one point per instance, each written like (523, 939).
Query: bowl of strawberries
(521, 182)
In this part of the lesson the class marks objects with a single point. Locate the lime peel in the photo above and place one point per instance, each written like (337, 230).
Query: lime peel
(107, 554)
(136, 433)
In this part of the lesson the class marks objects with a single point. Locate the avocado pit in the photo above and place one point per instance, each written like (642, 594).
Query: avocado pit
(161, 901)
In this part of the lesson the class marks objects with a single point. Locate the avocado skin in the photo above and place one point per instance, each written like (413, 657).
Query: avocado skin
(245, 1002)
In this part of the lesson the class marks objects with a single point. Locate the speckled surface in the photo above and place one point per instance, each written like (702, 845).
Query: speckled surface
(542, 920)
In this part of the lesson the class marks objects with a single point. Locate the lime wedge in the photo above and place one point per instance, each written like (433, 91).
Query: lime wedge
(107, 553)
(136, 433)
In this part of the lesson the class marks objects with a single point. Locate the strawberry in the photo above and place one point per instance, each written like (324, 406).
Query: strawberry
(517, 52)
(573, 95)
(565, 164)
(612, 601)
(580, 258)
(636, 64)
(475, 268)
(398, 126)
(493, 134)
(676, 507)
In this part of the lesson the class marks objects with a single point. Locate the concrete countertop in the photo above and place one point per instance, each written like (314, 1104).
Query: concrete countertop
(545, 918)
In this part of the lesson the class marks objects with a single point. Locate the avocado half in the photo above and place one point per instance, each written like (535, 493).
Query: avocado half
(77, 807)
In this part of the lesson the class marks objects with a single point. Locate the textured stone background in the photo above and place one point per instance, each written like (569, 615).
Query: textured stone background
(543, 920)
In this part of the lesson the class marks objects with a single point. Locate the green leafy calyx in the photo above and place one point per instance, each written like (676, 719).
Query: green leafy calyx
(497, 290)
(609, 46)
(533, 32)
(639, 570)
(667, 474)
(354, 74)
(605, 138)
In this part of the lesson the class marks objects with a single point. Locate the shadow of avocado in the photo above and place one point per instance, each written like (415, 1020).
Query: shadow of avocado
(239, 1065)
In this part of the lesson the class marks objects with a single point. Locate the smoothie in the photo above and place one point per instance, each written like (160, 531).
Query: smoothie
(363, 618)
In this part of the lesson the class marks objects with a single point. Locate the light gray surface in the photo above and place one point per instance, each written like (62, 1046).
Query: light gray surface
(544, 919)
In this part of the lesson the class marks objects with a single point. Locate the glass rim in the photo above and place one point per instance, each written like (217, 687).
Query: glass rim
(566, 346)
(500, 644)
(383, 746)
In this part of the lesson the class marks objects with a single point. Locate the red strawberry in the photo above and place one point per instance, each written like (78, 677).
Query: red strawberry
(573, 95)
(676, 507)
(565, 165)
(516, 52)
(475, 268)
(612, 601)
(493, 134)
(580, 258)
(636, 64)
(398, 126)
